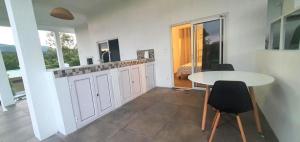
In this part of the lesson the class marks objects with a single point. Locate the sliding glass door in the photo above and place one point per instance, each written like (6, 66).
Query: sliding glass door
(207, 44)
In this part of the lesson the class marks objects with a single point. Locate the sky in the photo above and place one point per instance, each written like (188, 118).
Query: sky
(6, 36)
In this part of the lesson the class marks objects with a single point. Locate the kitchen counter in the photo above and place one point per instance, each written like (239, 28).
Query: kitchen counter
(72, 71)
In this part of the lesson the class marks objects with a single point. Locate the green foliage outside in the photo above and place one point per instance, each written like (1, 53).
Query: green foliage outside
(50, 58)
(70, 53)
(10, 60)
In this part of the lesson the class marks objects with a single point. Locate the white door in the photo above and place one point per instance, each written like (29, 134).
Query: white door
(136, 80)
(150, 76)
(125, 84)
(104, 92)
(83, 99)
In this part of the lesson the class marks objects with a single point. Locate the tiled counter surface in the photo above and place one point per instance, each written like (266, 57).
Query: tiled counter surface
(72, 71)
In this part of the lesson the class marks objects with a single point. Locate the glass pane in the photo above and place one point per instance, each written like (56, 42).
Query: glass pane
(8, 49)
(47, 39)
(198, 51)
(274, 9)
(10, 58)
(207, 38)
(275, 35)
(69, 49)
(211, 50)
(292, 31)
(207, 45)
(104, 51)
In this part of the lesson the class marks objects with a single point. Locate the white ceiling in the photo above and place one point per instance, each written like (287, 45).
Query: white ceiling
(42, 8)
(81, 6)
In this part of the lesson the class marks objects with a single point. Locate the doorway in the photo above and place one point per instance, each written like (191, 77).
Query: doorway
(196, 46)
(182, 55)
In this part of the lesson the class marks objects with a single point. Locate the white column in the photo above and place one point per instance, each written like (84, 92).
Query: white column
(6, 95)
(60, 56)
(37, 88)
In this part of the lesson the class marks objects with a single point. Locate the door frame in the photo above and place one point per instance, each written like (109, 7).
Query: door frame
(104, 41)
(224, 17)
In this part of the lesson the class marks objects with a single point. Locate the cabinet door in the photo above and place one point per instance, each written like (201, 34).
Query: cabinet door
(104, 92)
(136, 80)
(83, 99)
(125, 84)
(150, 76)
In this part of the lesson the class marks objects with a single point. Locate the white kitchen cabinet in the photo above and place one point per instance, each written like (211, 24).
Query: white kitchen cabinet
(136, 85)
(150, 76)
(92, 96)
(104, 92)
(83, 99)
(125, 84)
(130, 82)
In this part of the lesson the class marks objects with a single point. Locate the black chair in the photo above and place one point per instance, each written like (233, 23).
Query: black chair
(229, 97)
(222, 67)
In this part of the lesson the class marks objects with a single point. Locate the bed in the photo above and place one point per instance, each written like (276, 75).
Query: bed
(186, 69)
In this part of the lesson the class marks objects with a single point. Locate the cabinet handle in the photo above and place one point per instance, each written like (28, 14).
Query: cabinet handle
(97, 94)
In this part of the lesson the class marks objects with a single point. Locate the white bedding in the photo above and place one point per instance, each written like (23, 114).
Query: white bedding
(186, 69)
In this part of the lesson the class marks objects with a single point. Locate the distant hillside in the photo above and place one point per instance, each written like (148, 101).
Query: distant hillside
(11, 48)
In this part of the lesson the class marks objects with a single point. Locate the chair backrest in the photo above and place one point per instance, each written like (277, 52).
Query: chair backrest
(230, 97)
(222, 67)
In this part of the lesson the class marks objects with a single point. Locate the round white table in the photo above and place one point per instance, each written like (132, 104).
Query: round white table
(251, 79)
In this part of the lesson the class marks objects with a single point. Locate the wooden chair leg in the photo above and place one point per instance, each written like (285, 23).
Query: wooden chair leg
(205, 107)
(214, 120)
(241, 128)
(255, 110)
(218, 116)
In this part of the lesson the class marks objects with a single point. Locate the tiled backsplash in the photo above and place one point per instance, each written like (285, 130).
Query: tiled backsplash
(141, 54)
(104, 66)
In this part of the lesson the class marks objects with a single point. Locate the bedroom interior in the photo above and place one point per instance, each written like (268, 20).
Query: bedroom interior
(182, 58)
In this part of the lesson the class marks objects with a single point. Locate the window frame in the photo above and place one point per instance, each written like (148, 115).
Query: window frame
(282, 18)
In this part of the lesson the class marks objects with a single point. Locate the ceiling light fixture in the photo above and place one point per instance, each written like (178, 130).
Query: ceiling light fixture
(62, 13)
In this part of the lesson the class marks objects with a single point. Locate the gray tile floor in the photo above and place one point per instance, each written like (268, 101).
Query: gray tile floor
(15, 124)
(161, 115)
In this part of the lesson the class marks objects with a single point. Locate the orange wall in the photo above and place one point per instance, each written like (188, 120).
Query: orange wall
(176, 45)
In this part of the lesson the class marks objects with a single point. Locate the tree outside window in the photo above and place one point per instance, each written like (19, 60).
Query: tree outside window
(49, 51)
(69, 48)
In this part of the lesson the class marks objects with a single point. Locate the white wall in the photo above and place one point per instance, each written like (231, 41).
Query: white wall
(146, 25)
(280, 101)
(84, 43)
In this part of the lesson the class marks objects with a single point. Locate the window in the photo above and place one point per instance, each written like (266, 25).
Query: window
(10, 58)
(284, 26)
(275, 35)
(69, 49)
(8, 49)
(48, 48)
(292, 31)
(109, 51)
(48, 43)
